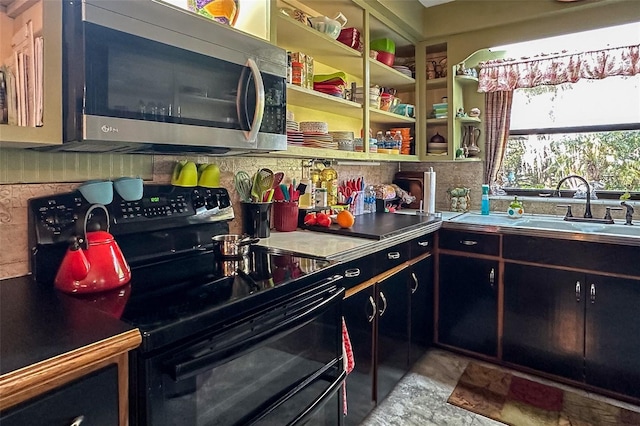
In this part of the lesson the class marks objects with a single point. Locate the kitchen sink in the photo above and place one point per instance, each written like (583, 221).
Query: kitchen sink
(553, 223)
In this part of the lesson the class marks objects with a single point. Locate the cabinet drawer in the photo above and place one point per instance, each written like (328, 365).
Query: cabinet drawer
(357, 271)
(93, 397)
(470, 242)
(391, 257)
(421, 245)
(578, 254)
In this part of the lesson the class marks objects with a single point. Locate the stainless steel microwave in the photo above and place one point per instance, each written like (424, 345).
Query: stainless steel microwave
(147, 77)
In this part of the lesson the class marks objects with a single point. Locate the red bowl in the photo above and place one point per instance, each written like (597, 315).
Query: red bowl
(386, 58)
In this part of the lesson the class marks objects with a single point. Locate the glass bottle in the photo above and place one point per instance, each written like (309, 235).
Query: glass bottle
(485, 200)
(329, 178)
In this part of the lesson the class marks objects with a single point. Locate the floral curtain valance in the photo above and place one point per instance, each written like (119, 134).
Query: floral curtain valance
(509, 74)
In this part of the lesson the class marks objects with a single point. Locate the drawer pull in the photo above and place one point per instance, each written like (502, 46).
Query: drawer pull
(578, 291)
(77, 421)
(415, 280)
(468, 243)
(492, 277)
(423, 243)
(384, 300)
(393, 255)
(593, 293)
(373, 305)
(351, 273)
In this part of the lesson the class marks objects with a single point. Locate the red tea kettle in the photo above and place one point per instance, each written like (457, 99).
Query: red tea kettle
(93, 262)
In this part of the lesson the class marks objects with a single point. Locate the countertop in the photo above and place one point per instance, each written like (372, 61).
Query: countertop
(345, 248)
(42, 330)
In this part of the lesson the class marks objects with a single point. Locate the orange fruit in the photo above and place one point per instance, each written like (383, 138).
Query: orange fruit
(345, 219)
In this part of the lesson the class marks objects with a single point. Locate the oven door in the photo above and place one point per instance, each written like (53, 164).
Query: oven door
(279, 366)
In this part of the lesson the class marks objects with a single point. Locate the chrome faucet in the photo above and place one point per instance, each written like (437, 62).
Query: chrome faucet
(587, 209)
(629, 215)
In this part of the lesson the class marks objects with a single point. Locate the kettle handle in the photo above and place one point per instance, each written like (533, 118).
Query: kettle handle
(81, 224)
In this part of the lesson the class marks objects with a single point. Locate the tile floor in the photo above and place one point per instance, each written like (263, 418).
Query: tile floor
(420, 398)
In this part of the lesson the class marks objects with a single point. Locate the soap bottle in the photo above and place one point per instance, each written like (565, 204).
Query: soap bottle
(485, 199)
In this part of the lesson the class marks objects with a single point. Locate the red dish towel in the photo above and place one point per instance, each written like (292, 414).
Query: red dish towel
(348, 360)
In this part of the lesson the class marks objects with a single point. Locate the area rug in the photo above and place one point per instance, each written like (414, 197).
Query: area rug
(517, 401)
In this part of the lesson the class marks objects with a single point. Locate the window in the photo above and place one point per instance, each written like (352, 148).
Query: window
(590, 128)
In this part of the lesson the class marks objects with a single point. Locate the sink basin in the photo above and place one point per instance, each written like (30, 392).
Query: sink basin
(553, 223)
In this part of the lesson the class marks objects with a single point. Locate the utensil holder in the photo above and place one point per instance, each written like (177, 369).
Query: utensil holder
(256, 219)
(285, 216)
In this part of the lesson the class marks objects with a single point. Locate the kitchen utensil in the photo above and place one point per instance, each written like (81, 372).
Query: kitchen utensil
(242, 183)
(277, 178)
(210, 176)
(383, 45)
(386, 58)
(263, 180)
(233, 245)
(97, 191)
(93, 262)
(256, 219)
(129, 188)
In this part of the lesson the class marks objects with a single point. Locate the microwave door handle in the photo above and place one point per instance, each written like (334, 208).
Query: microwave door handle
(252, 134)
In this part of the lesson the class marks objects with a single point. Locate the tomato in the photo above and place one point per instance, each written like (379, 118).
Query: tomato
(310, 219)
(323, 220)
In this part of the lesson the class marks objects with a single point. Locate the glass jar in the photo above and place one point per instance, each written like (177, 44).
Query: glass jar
(329, 177)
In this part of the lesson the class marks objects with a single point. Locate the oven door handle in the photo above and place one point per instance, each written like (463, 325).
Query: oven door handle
(201, 364)
(315, 405)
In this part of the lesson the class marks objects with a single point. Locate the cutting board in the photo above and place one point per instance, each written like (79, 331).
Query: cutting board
(376, 226)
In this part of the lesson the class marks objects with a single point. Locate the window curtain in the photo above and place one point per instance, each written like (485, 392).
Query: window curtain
(500, 77)
(497, 106)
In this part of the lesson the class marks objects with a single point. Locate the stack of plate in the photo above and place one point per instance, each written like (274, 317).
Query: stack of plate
(319, 140)
(320, 127)
(293, 126)
(295, 138)
(404, 70)
(344, 139)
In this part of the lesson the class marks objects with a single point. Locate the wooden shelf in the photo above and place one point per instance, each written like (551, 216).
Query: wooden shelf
(437, 83)
(436, 121)
(468, 120)
(386, 117)
(466, 80)
(301, 96)
(386, 76)
(297, 37)
(306, 152)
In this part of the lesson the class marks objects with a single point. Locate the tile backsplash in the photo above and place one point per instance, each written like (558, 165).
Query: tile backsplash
(27, 174)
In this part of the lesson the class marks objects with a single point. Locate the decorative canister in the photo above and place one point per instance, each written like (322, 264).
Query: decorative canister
(515, 210)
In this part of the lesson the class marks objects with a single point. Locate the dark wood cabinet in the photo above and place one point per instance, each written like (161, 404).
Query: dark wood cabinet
(544, 319)
(468, 303)
(91, 400)
(360, 310)
(572, 324)
(421, 306)
(392, 346)
(612, 345)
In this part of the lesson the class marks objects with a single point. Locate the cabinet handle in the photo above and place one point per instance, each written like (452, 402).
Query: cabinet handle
(578, 291)
(492, 277)
(592, 290)
(77, 421)
(468, 242)
(415, 280)
(373, 305)
(384, 300)
(393, 255)
(423, 243)
(351, 273)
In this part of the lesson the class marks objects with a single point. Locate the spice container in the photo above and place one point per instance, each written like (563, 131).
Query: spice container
(297, 73)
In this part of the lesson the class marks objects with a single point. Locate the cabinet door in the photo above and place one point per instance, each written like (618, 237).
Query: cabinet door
(612, 349)
(91, 400)
(393, 332)
(468, 307)
(544, 319)
(359, 314)
(421, 290)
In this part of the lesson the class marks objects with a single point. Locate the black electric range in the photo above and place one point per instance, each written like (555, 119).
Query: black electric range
(179, 285)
